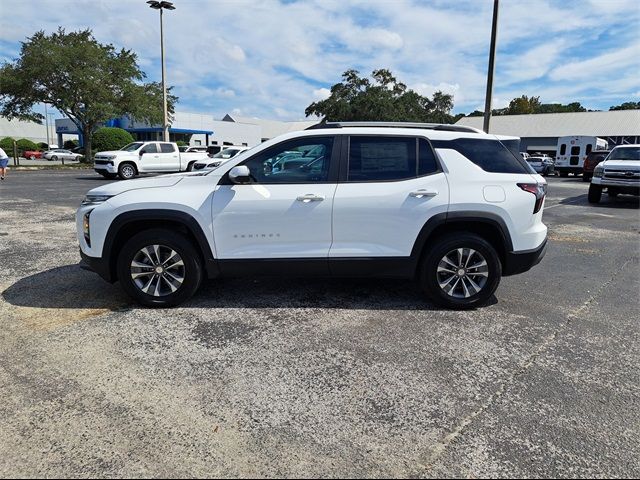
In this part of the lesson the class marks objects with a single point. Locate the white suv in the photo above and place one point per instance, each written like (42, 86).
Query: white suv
(448, 205)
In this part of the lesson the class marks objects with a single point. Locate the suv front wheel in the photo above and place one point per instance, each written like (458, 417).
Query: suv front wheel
(460, 271)
(159, 268)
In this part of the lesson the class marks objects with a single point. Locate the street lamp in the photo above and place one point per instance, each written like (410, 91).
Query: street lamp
(161, 6)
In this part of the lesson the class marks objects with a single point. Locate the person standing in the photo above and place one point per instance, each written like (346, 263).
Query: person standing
(4, 164)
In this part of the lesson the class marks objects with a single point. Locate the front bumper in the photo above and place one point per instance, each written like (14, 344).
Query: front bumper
(97, 265)
(519, 262)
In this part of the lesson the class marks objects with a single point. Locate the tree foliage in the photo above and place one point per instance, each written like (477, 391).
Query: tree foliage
(110, 138)
(87, 81)
(26, 144)
(626, 106)
(384, 98)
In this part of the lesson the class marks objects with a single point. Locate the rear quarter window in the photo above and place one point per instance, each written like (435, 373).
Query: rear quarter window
(490, 155)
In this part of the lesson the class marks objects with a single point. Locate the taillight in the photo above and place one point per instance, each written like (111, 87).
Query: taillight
(539, 190)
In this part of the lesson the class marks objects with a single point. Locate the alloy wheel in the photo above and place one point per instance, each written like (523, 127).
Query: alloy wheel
(462, 273)
(157, 270)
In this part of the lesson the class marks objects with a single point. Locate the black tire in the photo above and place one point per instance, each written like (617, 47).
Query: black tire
(564, 174)
(166, 239)
(595, 193)
(612, 192)
(32, 157)
(127, 171)
(429, 275)
(54, 158)
(190, 166)
(586, 177)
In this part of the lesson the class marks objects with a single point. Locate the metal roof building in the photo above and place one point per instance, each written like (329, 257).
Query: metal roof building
(540, 132)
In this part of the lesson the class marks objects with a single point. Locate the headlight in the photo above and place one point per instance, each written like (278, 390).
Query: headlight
(91, 199)
(214, 164)
(86, 227)
(598, 171)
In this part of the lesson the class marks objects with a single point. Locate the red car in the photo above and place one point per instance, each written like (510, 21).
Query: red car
(593, 159)
(32, 154)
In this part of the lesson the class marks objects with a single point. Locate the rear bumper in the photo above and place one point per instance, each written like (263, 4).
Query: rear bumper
(97, 265)
(568, 169)
(519, 262)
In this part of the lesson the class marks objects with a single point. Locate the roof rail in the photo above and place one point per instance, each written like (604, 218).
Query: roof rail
(428, 126)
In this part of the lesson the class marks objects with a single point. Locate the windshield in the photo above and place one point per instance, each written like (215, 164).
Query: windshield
(625, 153)
(226, 153)
(132, 147)
(182, 149)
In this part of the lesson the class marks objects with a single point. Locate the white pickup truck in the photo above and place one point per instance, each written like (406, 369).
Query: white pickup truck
(144, 157)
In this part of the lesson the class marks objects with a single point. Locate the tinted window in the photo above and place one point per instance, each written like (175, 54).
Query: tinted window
(563, 149)
(374, 159)
(589, 146)
(304, 160)
(166, 148)
(150, 148)
(426, 158)
(490, 155)
(575, 150)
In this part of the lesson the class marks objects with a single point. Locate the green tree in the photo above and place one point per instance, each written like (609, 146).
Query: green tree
(626, 106)
(523, 105)
(110, 138)
(7, 145)
(383, 99)
(87, 81)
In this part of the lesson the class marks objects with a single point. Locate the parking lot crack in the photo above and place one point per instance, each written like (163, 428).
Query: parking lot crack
(439, 448)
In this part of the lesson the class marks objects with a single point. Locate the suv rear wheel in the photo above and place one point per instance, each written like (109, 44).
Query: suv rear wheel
(460, 271)
(159, 268)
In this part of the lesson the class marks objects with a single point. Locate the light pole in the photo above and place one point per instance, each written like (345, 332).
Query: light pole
(492, 58)
(157, 5)
(46, 121)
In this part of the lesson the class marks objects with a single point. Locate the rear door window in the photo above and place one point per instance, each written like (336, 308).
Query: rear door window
(575, 150)
(166, 148)
(381, 159)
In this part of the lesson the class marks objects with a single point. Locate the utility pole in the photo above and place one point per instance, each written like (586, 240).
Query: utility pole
(46, 121)
(492, 58)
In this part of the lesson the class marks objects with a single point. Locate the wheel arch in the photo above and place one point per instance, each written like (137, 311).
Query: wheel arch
(486, 225)
(127, 224)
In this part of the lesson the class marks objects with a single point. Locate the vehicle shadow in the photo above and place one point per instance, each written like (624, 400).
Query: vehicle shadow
(71, 287)
(620, 201)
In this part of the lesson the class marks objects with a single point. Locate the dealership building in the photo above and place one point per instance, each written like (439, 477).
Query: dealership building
(540, 132)
(191, 128)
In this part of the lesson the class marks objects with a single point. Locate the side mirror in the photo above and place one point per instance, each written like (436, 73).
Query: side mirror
(142, 152)
(240, 174)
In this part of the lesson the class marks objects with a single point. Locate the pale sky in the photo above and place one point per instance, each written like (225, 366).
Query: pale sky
(271, 58)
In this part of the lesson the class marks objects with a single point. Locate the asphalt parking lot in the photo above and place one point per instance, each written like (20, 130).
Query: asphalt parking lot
(319, 378)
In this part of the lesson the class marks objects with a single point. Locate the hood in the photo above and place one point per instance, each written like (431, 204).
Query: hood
(122, 186)
(115, 152)
(622, 164)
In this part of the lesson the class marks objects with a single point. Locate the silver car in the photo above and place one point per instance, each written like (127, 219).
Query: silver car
(61, 154)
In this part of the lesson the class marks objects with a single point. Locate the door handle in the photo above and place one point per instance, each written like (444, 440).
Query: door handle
(423, 193)
(309, 197)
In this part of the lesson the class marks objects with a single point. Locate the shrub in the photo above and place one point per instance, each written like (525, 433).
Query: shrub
(110, 138)
(43, 146)
(70, 144)
(25, 144)
(180, 143)
(7, 145)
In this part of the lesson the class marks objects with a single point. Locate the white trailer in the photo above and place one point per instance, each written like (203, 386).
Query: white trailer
(572, 151)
